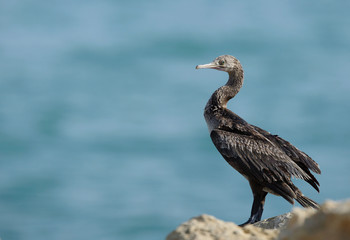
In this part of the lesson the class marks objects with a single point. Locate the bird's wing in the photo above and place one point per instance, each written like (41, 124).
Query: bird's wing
(256, 155)
(299, 157)
(294, 153)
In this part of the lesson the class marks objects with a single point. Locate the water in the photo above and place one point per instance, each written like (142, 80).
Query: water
(102, 134)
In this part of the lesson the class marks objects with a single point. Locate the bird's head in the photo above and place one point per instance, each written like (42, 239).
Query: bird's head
(226, 63)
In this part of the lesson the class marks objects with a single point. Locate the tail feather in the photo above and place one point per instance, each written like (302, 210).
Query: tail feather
(307, 202)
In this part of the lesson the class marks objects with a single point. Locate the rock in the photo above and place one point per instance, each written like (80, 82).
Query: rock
(331, 221)
(205, 227)
(277, 222)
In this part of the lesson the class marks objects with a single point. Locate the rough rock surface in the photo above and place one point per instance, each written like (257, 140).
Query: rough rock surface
(205, 227)
(277, 222)
(331, 221)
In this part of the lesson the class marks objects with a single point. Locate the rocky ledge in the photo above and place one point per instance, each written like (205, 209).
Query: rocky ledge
(331, 221)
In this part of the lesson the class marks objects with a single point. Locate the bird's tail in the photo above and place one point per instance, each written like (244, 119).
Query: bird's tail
(307, 202)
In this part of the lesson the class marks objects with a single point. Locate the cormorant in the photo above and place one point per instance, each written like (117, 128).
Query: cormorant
(267, 161)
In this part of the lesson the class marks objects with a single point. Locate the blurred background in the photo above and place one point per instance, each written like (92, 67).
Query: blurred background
(102, 134)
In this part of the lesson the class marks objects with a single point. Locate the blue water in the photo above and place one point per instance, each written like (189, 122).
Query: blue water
(101, 127)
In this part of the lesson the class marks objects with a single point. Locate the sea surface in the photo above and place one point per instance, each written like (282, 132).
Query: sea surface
(102, 134)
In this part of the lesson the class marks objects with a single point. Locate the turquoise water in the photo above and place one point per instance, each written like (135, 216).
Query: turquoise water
(101, 127)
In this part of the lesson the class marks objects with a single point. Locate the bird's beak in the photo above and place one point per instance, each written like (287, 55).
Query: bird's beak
(209, 65)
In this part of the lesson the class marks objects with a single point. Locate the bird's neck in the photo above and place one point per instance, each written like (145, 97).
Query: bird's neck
(222, 95)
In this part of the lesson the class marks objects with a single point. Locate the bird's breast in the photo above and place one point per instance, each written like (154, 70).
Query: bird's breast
(212, 117)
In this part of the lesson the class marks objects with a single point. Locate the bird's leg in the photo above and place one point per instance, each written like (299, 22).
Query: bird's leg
(257, 208)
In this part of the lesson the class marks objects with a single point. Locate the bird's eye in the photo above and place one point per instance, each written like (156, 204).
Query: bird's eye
(221, 62)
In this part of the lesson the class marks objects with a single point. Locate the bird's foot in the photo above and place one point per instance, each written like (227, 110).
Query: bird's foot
(250, 221)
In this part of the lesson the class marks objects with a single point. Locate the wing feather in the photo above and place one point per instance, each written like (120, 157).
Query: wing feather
(263, 159)
(302, 159)
(294, 153)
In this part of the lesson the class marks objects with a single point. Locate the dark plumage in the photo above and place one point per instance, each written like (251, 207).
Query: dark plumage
(267, 161)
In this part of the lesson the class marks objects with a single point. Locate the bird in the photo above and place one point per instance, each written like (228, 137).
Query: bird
(267, 161)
